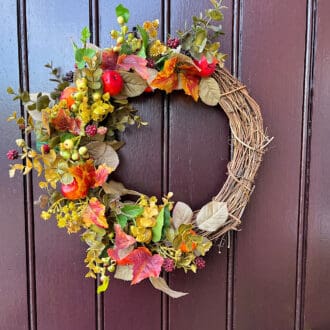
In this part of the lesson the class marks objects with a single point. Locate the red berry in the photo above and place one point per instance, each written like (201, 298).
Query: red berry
(91, 130)
(113, 82)
(206, 68)
(173, 42)
(67, 95)
(200, 262)
(151, 63)
(12, 154)
(45, 149)
(148, 90)
(168, 265)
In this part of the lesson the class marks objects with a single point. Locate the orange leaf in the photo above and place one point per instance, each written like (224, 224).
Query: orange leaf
(144, 264)
(167, 79)
(190, 84)
(137, 63)
(101, 175)
(63, 122)
(94, 213)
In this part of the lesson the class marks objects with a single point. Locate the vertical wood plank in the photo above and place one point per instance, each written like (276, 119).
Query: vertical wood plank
(198, 156)
(13, 285)
(140, 169)
(272, 65)
(65, 300)
(317, 294)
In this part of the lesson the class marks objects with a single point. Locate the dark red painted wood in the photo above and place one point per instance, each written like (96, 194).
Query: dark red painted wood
(65, 300)
(183, 145)
(199, 153)
(317, 297)
(13, 285)
(140, 169)
(272, 63)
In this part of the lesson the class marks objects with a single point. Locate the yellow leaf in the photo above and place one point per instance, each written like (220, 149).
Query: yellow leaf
(37, 166)
(43, 184)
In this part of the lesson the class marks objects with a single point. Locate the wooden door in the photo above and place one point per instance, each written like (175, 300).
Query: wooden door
(276, 274)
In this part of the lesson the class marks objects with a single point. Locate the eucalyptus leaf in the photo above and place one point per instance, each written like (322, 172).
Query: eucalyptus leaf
(212, 216)
(103, 154)
(209, 91)
(124, 273)
(182, 213)
(160, 284)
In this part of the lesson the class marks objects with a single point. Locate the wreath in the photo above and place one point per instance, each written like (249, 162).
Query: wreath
(78, 127)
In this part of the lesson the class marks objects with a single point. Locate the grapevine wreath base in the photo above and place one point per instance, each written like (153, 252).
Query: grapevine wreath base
(78, 130)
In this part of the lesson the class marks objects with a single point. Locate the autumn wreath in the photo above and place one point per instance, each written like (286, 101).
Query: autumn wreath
(78, 126)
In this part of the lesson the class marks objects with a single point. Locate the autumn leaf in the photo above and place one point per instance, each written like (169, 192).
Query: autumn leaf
(101, 175)
(63, 122)
(145, 264)
(117, 189)
(167, 79)
(94, 213)
(122, 243)
(109, 59)
(190, 84)
(137, 63)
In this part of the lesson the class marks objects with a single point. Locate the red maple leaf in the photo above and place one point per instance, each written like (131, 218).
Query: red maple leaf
(122, 243)
(137, 63)
(145, 264)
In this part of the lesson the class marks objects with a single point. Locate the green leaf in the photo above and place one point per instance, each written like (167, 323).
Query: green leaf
(85, 35)
(126, 49)
(167, 220)
(132, 211)
(25, 97)
(42, 102)
(122, 220)
(215, 14)
(122, 11)
(145, 38)
(104, 285)
(80, 53)
(157, 230)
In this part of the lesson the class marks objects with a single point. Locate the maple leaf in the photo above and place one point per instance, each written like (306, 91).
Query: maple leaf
(84, 175)
(122, 243)
(101, 175)
(94, 213)
(109, 59)
(190, 84)
(137, 63)
(145, 264)
(63, 122)
(167, 79)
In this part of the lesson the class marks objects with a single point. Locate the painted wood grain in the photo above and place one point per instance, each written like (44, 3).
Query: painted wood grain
(13, 285)
(272, 66)
(199, 144)
(140, 169)
(65, 300)
(317, 292)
